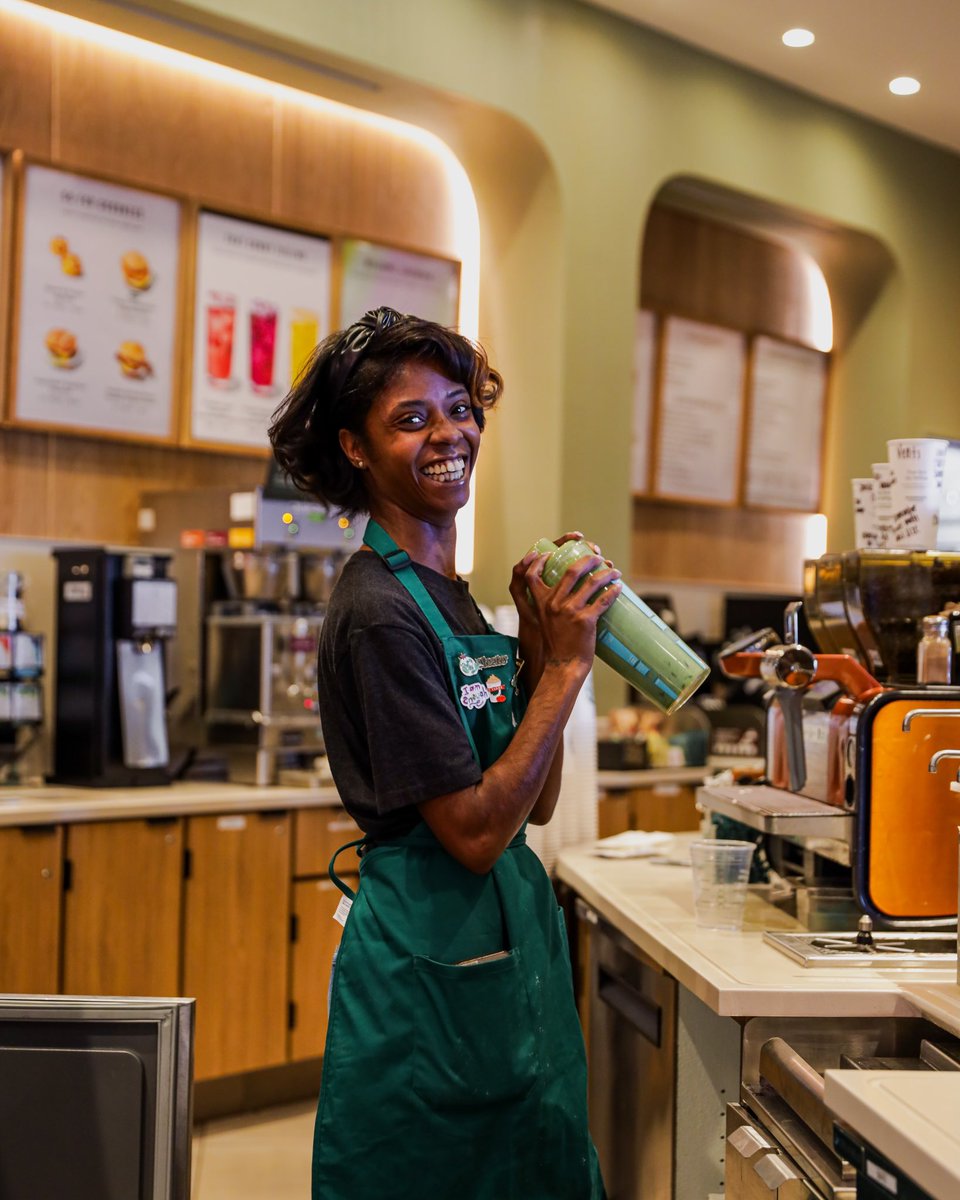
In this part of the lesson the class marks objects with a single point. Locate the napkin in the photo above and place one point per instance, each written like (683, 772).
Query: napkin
(634, 843)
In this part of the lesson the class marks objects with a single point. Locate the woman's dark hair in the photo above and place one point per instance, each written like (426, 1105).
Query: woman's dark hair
(345, 375)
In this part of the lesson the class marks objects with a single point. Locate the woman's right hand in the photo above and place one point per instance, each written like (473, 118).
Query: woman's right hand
(567, 614)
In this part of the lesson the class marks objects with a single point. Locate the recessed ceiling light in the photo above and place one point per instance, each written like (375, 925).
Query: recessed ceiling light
(798, 37)
(904, 85)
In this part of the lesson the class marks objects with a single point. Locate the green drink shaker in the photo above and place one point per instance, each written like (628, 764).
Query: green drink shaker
(633, 640)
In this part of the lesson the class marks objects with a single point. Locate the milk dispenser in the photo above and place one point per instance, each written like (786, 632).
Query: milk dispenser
(116, 611)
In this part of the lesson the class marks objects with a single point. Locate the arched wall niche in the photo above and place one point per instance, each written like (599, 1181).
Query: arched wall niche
(721, 256)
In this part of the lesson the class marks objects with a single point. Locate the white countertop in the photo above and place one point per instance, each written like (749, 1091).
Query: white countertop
(55, 805)
(736, 974)
(912, 1118)
(624, 781)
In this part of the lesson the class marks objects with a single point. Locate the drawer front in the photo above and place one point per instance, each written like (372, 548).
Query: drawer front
(320, 832)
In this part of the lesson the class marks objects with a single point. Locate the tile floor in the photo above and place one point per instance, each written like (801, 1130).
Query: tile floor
(258, 1156)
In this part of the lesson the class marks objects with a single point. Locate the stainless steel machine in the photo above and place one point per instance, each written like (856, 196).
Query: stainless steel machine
(856, 803)
(256, 570)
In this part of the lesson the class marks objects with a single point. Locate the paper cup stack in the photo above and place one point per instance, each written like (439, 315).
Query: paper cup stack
(898, 508)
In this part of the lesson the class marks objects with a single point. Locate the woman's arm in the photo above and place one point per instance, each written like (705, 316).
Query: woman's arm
(476, 824)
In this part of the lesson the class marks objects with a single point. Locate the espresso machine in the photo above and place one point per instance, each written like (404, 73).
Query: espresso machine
(856, 801)
(256, 570)
(116, 614)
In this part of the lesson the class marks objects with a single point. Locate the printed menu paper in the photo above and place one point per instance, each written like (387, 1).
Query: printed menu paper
(787, 394)
(97, 306)
(376, 276)
(644, 362)
(701, 412)
(262, 304)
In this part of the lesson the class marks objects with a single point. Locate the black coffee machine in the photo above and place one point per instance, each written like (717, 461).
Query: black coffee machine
(116, 610)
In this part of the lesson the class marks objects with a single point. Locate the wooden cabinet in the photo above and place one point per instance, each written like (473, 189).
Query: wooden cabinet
(236, 939)
(317, 937)
(31, 883)
(122, 909)
(320, 834)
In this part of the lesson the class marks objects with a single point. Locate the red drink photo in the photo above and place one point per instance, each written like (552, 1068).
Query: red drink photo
(221, 316)
(263, 341)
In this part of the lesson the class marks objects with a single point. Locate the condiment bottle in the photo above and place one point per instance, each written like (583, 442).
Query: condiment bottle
(633, 640)
(934, 654)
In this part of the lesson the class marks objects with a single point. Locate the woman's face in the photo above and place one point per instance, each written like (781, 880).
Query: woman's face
(419, 445)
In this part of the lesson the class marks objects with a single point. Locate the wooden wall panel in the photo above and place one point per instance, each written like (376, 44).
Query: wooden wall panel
(728, 546)
(376, 187)
(154, 124)
(97, 108)
(26, 55)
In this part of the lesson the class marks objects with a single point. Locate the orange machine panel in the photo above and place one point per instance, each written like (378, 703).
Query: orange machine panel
(912, 814)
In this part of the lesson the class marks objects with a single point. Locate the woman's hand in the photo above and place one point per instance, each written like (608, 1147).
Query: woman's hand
(566, 614)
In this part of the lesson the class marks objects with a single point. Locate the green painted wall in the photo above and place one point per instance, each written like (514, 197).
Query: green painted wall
(568, 121)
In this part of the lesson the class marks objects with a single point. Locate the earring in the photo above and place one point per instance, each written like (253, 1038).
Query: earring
(359, 464)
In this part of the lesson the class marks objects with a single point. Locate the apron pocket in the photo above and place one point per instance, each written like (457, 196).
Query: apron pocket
(474, 1042)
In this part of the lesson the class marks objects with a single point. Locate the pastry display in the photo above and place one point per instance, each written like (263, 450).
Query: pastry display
(133, 360)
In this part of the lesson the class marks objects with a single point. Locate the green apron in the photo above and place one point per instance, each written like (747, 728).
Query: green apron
(445, 1081)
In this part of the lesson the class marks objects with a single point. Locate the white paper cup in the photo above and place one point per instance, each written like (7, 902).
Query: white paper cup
(721, 871)
(917, 490)
(884, 480)
(866, 530)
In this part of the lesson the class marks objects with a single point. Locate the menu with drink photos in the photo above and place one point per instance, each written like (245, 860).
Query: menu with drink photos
(700, 413)
(97, 306)
(788, 388)
(644, 369)
(261, 305)
(375, 276)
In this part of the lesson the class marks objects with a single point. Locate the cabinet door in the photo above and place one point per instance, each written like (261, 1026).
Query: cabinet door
(31, 881)
(236, 940)
(320, 834)
(318, 935)
(122, 908)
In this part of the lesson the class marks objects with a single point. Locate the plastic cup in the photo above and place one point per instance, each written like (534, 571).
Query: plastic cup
(721, 870)
(304, 331)
(633, 640)
(263, 340)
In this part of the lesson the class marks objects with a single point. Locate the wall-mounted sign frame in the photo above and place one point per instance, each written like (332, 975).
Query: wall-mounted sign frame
(95, 345)
(6, 251)
(644, 379)
(698, 417)
(373, 274)
(786, 420)
(261, 300)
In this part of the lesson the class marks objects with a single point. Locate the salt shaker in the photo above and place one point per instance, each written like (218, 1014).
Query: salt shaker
(934, 652)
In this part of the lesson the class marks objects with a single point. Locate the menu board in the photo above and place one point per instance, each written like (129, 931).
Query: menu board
(375, 276)
(96, 311)
(644, 364)
(700, 413)
(262, 302)
(787, 399)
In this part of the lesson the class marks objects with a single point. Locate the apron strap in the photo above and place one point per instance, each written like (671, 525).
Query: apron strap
(377, 538)
(331, 871)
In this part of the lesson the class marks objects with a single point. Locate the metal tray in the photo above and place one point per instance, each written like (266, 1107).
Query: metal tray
(773, 810)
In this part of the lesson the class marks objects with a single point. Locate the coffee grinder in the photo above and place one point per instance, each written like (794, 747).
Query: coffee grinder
(116, 611)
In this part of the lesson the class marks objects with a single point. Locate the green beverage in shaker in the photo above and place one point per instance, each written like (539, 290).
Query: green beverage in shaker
(633, 640)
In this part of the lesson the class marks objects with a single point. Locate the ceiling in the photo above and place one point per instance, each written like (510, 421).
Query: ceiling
(860, 46)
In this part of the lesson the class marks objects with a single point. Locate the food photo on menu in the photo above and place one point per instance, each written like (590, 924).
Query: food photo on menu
(136, 271)
(63, 350)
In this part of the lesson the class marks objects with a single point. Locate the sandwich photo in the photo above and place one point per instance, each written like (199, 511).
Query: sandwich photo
(62, 347)
(133, 360)
(136, 270)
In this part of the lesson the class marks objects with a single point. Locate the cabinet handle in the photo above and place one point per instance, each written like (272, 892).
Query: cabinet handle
(774, 1172)
(635, 1009)
(747, 1141)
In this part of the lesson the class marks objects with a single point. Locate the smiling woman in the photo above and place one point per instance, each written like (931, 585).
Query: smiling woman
(453, 1049)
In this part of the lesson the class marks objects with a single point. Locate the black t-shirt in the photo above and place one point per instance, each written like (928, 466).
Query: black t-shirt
(392, 729)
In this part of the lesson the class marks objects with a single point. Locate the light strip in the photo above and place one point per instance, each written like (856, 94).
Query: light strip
(466, 219)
